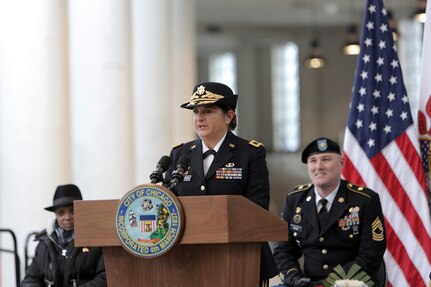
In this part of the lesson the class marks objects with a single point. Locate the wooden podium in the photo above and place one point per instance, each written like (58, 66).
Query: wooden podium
(220, 245)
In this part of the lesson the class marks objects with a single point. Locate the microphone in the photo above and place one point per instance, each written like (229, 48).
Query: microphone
(178, 174)
(163, 164)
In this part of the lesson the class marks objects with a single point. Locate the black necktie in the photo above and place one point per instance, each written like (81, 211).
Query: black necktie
(323, 213)
(208, 152)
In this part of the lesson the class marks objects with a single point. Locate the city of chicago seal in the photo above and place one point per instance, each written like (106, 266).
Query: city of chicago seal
(149, 220)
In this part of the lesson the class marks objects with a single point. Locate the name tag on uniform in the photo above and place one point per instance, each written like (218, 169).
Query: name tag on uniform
(187, 177)
(229, 173)
(296, 228)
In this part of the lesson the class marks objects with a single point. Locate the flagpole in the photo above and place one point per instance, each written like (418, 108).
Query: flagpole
(424, 112)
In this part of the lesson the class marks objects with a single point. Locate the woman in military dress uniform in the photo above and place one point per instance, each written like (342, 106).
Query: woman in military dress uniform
(221, 162)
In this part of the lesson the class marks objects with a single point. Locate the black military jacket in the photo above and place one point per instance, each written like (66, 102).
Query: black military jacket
(78, 267)
(353, 232)
(238, 168)
(244, 159)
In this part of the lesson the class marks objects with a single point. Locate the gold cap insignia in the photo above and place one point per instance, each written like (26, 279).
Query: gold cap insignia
(200, 90)
(203, 97)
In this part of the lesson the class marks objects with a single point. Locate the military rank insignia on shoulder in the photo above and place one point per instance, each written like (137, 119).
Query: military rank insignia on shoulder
(254, 143)
(299, 188)
(357, 189)
(177, 145)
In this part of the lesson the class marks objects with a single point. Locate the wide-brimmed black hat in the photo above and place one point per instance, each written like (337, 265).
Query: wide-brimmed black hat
(320, 145)
(212, 93)
(65, 195)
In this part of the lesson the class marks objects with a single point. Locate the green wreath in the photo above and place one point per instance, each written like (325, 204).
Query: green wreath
(355, 275)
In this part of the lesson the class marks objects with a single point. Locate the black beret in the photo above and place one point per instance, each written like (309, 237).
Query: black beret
(212, 93)
(320, 145)
(65, 195)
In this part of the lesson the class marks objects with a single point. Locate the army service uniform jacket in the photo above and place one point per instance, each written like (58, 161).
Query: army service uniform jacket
(353, 232)
(238, 168)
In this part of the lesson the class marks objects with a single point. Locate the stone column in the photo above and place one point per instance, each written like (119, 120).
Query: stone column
(102, 127)
(183, 68)
(34, 117)
(163, 67)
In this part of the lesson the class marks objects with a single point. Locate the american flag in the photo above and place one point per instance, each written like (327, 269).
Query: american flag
(381, 151)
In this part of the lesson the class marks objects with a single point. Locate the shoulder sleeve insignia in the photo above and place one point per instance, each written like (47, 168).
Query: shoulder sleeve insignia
(300, 188)
(178, 145)
(377, 230)
(357, 189)
(255, 143)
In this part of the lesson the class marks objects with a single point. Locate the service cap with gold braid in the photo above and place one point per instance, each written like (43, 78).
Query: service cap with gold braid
(212, 93)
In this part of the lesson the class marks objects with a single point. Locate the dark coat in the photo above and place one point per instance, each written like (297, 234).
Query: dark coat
(50, 268)
(353, 232)
(248, 157)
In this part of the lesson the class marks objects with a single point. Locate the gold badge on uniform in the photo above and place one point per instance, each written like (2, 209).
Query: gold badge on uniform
(297, 218)
(255, 143)
(341, 200)
(354, 209)
(308, 198)
(377, 230)
(230, 164)
(298, 209)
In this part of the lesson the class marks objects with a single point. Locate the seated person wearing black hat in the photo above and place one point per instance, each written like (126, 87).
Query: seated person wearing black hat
(220, 161)
(56, 261)
(331, 222)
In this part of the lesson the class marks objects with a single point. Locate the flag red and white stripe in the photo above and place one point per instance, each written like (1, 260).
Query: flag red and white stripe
(381, 151)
